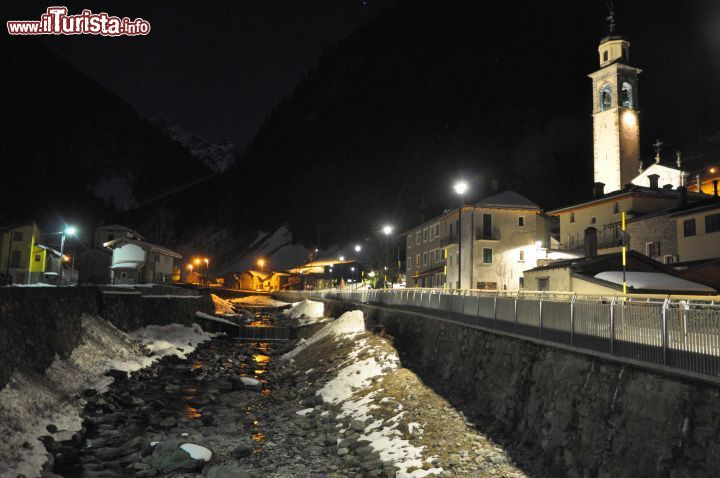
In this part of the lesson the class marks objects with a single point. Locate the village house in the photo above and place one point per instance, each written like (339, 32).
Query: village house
(502, 235)
(139, 262)
(94, 262)
(24, 259)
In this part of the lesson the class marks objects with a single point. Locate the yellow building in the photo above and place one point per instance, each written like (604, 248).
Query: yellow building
(698, 233)
(23, 260)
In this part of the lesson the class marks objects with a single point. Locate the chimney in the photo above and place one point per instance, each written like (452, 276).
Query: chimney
(715, 188)
(682, 196)
(590, 242)
(598, 190)
(654, 179)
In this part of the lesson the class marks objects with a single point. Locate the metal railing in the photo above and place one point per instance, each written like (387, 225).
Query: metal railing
(680, 333)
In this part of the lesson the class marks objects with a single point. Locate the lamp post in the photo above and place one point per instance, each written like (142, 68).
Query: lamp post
(190, 272)
(358, 248)
(387, 230)
(68, 231)
(207, 271)
(460, 188)
(261, 264)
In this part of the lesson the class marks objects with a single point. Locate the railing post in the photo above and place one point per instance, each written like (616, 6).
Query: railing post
(612, 326)
(515, 312)
(540, 320)
(572, 320)
(495, 311)
(477, 307)
(664, 330)
(451, 303)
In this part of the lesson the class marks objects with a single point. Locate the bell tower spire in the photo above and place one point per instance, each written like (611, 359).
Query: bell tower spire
(616, 122)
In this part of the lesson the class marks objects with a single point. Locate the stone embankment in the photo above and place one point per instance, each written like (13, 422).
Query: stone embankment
(562, 413)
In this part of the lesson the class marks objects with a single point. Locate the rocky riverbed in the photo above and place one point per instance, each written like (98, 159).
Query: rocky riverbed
(337, 405)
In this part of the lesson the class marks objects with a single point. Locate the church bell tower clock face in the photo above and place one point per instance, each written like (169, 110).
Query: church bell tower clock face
(616, 122)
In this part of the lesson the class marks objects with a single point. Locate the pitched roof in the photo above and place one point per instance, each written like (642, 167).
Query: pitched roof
(630, 190)
(143, 245)
(507, 199)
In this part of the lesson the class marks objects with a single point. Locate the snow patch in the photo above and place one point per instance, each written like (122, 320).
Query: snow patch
(196, 452)
(350, 323)
(306, 308)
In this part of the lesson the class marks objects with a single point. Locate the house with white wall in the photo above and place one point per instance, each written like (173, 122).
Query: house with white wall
(140, 262)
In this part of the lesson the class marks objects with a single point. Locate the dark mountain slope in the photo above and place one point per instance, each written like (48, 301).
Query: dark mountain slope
(431, 91)
(65, 140)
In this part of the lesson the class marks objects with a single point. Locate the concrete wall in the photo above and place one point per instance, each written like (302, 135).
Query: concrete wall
(562, 413)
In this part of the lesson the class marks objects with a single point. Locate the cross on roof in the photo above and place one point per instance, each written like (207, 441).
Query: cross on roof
(658, 147)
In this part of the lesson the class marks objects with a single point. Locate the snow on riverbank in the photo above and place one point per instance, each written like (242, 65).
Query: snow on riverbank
(308, 309)
(368, 360)
(30, 401)
(259, 301)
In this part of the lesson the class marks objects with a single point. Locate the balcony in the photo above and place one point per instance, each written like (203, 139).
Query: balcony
(483, 235)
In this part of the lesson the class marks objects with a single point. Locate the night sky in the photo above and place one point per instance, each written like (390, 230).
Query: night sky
(402, 97)
(213, 68)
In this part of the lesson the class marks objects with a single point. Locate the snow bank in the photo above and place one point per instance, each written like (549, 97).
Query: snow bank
(259, 301)
(350, 323)
(30, 401)
(306, 308)
(364, 365)
(222, 306)
(196, 452)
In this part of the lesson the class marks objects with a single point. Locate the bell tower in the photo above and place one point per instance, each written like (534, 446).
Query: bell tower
(616, 122)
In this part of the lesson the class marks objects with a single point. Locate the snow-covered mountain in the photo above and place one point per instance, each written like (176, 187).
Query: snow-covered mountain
(217, 157)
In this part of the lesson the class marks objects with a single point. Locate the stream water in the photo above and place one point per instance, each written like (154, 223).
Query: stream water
(202, 398)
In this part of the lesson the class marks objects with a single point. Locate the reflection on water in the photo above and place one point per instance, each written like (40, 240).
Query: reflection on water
(259, 358)
(191, 412)
(196, 365)
(258, 437)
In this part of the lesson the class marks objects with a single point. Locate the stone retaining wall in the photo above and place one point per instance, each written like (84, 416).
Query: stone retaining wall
(562, 413)
(39, 323)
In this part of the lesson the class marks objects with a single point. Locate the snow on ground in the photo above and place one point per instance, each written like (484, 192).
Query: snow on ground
(222, 306)
(30, 401)
(363, 366)
(259, 301)
(350, 323)
(306, 308)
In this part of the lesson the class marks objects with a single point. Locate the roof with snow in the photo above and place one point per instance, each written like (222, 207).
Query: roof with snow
(655, 281)
(317, 267)
(147, 246)
(507, 200)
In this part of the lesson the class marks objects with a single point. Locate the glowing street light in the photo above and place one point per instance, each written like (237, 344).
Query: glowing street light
(68, 231)
(342, 258)
(387, 230)
(358, 248)
(196, 261)
(261, 263)
(460, 187)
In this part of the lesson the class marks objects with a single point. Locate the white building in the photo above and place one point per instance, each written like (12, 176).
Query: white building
(139, 262)
(502, 236)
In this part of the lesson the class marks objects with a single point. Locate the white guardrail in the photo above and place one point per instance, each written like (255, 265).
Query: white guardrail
(681, 333)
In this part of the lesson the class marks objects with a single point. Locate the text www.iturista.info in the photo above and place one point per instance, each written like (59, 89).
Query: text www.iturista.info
(56, 21)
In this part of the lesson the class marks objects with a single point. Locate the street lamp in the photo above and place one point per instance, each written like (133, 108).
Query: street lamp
(261, 264)
(68, 231)
(387, 230)
(460, 188)
(342, 258)
(358, 248)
